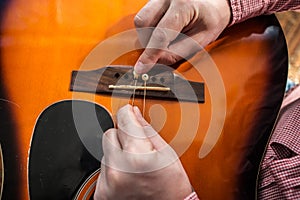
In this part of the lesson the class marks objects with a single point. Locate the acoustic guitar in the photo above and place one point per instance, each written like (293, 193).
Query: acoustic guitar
(61, 64)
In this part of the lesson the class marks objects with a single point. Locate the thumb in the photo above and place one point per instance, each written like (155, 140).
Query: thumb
(157, 141)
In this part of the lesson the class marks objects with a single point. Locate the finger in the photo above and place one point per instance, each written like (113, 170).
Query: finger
(133, 159)
(101, 184)
(151, 13)
(166, 31)
(165, 155)
(111, 147)
(130, 132)
(149, 16)
(127, 122)
(184, 48)
(110, 137)
(157, 141)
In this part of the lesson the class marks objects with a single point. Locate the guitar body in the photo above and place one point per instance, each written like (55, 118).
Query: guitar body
(220, 142)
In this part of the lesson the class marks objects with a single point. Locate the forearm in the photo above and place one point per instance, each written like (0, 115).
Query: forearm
(245, 9)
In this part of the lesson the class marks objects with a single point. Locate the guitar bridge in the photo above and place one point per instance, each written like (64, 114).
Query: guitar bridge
(119, 80)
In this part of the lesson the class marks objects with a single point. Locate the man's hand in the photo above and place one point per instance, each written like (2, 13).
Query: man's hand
(138, 163)
(201, 20)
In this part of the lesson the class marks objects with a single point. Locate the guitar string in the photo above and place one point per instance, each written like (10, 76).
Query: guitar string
(133, 95)
(145, 78)
(144, 101)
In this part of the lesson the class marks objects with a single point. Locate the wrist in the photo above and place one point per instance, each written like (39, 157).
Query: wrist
(224, 10)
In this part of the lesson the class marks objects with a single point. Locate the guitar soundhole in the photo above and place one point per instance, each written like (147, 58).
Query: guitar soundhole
(61, 159)
(87, 190)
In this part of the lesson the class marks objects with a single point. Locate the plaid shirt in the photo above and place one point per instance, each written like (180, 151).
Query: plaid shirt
(245, 9)
(280, 169)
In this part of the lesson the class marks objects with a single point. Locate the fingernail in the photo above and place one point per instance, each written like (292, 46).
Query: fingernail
(137, 111)
(136, 108)
(138, 68)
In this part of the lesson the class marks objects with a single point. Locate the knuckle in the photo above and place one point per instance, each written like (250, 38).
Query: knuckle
(182, 2)
(139, 162)
(131, 148)
(173, 58)
(139, 21)
(169, 59)
(109, 131)
(160, 35)
(151, 55)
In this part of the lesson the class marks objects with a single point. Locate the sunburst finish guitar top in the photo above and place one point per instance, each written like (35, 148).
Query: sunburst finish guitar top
(220, 139)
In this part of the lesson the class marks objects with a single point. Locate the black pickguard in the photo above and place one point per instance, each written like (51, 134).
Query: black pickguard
(59, 162)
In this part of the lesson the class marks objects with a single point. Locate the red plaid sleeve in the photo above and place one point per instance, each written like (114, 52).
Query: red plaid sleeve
(280, 169)
(245, 9)
(286, 173)
(192, 196)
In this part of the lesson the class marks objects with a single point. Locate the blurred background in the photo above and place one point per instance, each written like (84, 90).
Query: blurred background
(290, 22)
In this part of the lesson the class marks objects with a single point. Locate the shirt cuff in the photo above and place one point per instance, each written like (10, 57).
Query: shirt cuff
(245, 9)
(192, 196)
(242, 10)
